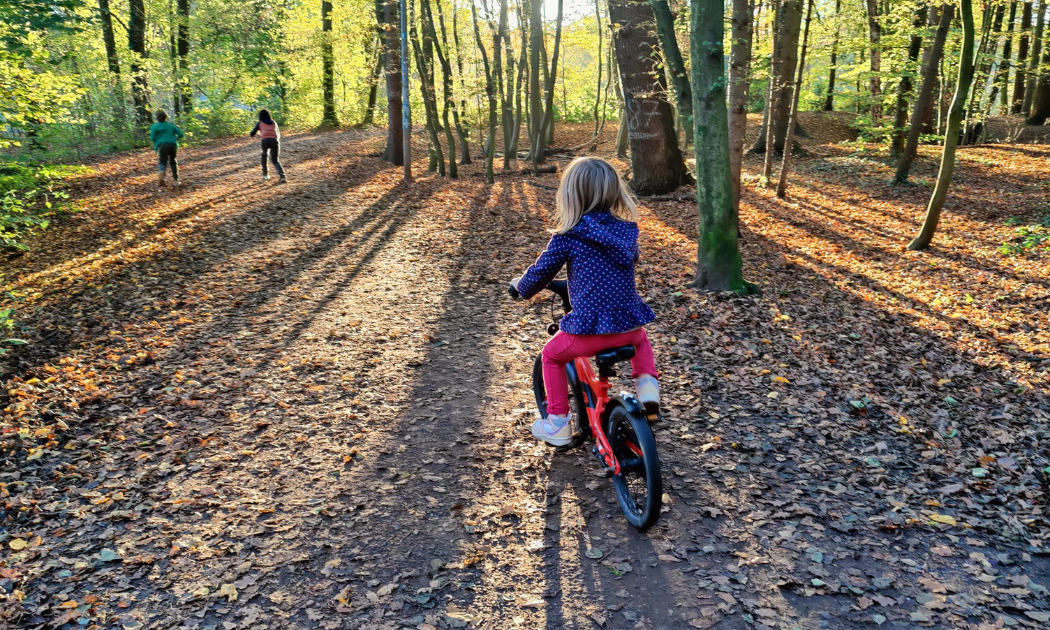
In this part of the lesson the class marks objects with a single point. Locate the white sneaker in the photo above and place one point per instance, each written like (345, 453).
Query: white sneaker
(266, 178)
(647, 388)
(554, 430)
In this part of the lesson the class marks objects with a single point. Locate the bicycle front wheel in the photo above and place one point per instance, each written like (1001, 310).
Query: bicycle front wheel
(639, 487)
(577, 408)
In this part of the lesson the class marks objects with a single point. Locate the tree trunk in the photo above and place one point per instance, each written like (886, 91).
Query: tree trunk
(184, 55)
(789, 27)
(1033, 60)
(551, 78)
(1041, 98)
(766, 135)
(904, 88)
(785, 166)
(449, 101)
(423, 47)
(991, 15)
(328, 117)
(137, 44)
(875, 57)
(1004, 65)
(829, 101)
(394, 152)
(719, 265)
(490, 91)
(656, 160)
(112, 61)
(1020, 70)
(927, 55)
(601, 51)
(739, 86)
(925, 97)
(176, 92)
(373, 87)
(623, 140)
(675, 65)
(951, 137)
(464, 146)
(535, 95)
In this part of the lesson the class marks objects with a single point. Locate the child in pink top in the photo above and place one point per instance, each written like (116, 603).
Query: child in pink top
(271, 143)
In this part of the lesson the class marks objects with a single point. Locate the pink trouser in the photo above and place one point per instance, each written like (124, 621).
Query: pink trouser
(563, 348)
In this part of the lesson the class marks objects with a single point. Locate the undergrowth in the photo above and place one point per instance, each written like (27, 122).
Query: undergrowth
(1030, 238)
(31, 198)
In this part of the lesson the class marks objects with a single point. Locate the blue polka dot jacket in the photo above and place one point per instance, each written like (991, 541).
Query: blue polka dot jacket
(599, 253)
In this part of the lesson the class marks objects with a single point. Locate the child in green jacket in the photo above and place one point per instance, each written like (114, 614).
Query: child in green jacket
(165, 138)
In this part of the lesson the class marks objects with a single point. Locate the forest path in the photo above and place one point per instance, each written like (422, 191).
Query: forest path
(303, 406)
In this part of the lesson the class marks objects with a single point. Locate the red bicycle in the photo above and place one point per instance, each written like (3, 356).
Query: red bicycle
(624, 443)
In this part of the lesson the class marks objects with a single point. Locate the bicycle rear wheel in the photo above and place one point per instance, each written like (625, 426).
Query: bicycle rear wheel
(639, 488)
(576, 404)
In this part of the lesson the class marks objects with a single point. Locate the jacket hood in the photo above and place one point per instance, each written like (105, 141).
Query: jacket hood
(617, 237)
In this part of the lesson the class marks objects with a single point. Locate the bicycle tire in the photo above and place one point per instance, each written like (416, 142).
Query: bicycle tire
(624, 430)
(576, 405)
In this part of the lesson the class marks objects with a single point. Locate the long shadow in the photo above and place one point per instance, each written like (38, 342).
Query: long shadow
(248, 229)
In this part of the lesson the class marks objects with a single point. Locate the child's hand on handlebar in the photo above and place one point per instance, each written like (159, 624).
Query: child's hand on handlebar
(513, 288)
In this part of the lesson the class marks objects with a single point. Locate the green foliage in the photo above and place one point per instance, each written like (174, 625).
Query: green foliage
(31, 197)
(1030, 238)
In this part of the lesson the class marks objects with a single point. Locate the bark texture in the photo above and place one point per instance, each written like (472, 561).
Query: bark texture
(1040, 111)
(719, 265)
(656, 160)
(829, 100)
(785, 166)
(185, 93)
(875, 58)
(1033, 60)
(741, 31)
(394, 152)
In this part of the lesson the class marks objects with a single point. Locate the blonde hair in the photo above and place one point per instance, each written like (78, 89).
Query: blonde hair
(590, 183)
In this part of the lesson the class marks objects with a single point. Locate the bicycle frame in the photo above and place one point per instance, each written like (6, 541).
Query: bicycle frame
(596, 390)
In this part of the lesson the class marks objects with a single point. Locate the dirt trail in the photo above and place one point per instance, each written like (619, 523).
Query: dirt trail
(307, 406)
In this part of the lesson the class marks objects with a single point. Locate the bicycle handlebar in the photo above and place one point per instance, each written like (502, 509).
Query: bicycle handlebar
(558, 287)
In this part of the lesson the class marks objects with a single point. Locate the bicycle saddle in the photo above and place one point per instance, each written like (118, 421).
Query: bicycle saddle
(612, 356)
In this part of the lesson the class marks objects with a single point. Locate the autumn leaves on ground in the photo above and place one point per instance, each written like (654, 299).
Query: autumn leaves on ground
(256, 406)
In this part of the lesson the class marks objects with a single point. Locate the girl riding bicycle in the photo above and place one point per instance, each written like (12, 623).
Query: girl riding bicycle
(597, 240)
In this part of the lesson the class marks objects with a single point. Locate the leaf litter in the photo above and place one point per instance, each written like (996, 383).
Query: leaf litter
(246, 406)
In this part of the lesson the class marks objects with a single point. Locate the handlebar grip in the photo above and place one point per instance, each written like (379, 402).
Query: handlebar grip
(513, 292)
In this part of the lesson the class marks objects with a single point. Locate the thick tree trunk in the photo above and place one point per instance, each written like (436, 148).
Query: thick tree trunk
(951, 137)
(789, 28)
(829, 100)
(904, 88)
(785, 166)
(137, 44)
(176, 92)
(924, 100)
(739, 87)
(1020, 69)
(656, 160)
(388, 12)
(328, 117)
(1033, 60)
(184, 56)
(719, 265)
(675, 65)
(927, 54)
(875, 57)
(1041, 95)
(623, 140)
